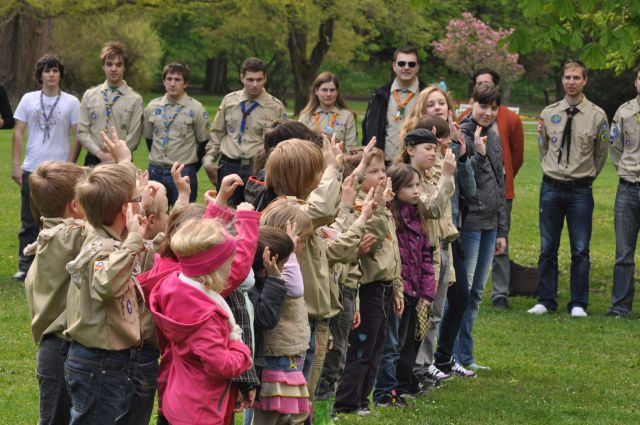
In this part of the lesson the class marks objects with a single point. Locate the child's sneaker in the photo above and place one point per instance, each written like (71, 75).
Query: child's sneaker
(538, 310)
(578, 312)
(363, 411)
(436, 374)
(461, 371)
(391, 400)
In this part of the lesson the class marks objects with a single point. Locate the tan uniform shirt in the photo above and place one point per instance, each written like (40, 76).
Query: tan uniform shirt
(227, 137)
(47, 282)
(589, 137)
(625, 140)
(102, 108)
(148, 329)
(176, 130)
(341, 122)
(102, 304)
(395, 118)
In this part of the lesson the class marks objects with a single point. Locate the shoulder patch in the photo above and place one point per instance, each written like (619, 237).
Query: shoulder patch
(206, 116)
(97, 265)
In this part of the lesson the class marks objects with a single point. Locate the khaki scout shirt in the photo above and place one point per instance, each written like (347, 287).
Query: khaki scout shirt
(589, 137)
(47, 282)
(341, 122)
(148, 329)
(189, 127)
(346, 274)
(126, 116)
(102, 304)
(226, 126)
(392, 141)
(625, 140)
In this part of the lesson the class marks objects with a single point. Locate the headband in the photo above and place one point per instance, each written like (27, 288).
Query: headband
(208, 261)
(418, 136)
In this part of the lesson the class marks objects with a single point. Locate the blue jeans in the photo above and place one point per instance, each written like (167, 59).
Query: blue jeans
(98, 382)
(626, 219)
(143, 373)
(229, 166)
(29, 229)
(54, 397)
(576, 204)
(478, 247)
(162, 174)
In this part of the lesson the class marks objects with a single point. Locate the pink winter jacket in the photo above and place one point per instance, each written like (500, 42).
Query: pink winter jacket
(203, 359)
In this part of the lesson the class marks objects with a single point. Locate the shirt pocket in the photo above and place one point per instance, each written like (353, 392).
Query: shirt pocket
(185, 124)
(122, 118)
(587, 139)
(631, 133)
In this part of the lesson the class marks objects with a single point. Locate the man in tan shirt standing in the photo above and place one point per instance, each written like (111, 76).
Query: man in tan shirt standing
(176, 128)
(239, 126)
(110, 104)
(573, 136)
(625, 154)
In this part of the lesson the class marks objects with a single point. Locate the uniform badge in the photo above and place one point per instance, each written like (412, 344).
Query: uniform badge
(328, 130)
(190, 114)
(231, 130)
(205, 116)
(158, 111)
(93, 116)
(285, 116)
(99, 265)
(554, 139)
(556, 118)
(627, 142)
(129, 306)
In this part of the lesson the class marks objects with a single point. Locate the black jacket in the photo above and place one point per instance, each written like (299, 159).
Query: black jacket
(375, 120)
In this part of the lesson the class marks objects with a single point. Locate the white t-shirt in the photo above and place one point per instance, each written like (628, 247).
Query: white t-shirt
(56, 145)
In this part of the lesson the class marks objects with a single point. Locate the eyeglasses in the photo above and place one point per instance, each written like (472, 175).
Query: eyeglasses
(138, 199)
(403, 64)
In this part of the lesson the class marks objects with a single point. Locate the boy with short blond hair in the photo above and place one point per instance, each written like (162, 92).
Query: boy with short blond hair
(52, 188)
(103, 314)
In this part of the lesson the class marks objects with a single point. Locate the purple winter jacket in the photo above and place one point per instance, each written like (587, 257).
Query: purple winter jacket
(418, 276)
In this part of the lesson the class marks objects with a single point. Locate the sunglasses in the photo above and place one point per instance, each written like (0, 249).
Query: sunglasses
(403, 64)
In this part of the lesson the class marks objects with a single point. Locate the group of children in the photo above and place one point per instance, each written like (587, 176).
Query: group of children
(327, 283)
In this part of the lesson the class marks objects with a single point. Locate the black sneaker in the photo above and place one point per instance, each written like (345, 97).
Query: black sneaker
(501, 304)
(391, 400)
(20, 275)
(613, 313)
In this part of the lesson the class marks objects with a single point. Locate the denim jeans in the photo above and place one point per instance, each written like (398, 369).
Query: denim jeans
(228, 167)
(576, 204)
(501, 268)
(340, 326)
(98, 382)
(162, 174)
(54, 397)
(478, 247)
(28, 232)
(455, 307)
(626, 219)
(143, 373)
(397, 336)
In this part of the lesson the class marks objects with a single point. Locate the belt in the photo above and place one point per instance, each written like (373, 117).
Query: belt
(167, 167)
(628, 183)
(568, 184)
(244, 162)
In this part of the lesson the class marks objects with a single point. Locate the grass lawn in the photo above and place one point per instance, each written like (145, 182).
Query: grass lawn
(544, 370)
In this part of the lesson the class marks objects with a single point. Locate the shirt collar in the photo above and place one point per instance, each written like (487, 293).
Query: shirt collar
(564, 105)
(413, 88)
(182, 101)
(122, 89)
(334, 109)
(260, 100)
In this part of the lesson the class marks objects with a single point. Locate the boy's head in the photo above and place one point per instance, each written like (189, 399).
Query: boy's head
(158, 212)
(443, 131)
(375, 172)
(105, 193)
(175, 77)
(486, 102)
(53, 187)
(115, 59)
(294, 168)
(279, 244)
(46, 63)
(176, 218)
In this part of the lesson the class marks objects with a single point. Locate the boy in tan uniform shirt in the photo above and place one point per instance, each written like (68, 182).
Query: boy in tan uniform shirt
(103, 313)
(110, 104)
(52, 188)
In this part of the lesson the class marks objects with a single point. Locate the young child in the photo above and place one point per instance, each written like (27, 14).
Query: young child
(205, 342)
(102, 308)
(380, 292)
(52, 187)
(417, 275)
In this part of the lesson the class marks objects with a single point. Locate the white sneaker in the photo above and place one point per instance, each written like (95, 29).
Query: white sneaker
(578, 312)
(539, 310)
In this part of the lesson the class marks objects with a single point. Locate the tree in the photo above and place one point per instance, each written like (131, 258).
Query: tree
(471, 44)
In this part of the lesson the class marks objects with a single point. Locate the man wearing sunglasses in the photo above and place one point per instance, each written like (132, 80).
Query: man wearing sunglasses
(392, 102)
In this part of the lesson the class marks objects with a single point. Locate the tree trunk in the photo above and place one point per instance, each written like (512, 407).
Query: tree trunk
(215, 80)
(24, 39)
(506, 93)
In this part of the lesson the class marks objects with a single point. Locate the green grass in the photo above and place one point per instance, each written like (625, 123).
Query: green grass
(544, 370)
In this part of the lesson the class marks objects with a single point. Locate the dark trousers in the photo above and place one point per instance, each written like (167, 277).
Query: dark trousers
(54, 397)
(28, 232)
(143, 373)
(90, 160)
(408, 351)
(366, 344)
(229, 166)
(162, 174)
(457, 301)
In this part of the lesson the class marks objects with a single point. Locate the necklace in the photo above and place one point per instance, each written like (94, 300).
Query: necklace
(46, 126)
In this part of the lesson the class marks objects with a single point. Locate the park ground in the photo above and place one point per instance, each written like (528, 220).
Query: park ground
(544, 370)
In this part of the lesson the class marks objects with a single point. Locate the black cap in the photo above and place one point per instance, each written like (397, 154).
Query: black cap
(418, 136)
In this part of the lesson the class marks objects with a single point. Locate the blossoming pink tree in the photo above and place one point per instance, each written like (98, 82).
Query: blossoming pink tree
(471, 44)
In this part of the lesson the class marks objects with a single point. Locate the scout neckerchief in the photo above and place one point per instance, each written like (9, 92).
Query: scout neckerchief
(245, 113)
(45, 125)
(566, 135)
(167, 120)
(108, 104)
(329, 128)
(401, 105)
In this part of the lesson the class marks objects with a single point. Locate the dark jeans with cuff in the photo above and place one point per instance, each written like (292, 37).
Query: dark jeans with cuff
(143, 373)
(54, 396)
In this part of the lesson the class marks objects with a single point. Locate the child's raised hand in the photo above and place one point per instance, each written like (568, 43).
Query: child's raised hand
(210, 196)
(142, 179)
(368, 207)
(147, 196)
(348, 195)
(480, 142)
(270, 263)
(454, 128)
(378, 195)
(329, 151)
(245, 206)
(228, 185)
(388, 192)
(449, 163)
(367, 155)
(366, 243)
(116, 149)
(182, 182)
(135, 222)
(292, 231)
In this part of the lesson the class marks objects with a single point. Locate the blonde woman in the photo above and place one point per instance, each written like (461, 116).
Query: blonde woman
(432, 101)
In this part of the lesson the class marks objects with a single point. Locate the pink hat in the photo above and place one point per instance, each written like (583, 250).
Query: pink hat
(208, 261)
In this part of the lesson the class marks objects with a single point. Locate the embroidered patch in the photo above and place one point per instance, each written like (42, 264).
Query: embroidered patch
(129, 307)
(205, 116)
(328, 130)
(627, 142)
(554, 139)
(190, 114)
(362, 337)
(285, 116)
(556, 118)
(158, 111)
(99, 265)
(231, 130)
(93, 116)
